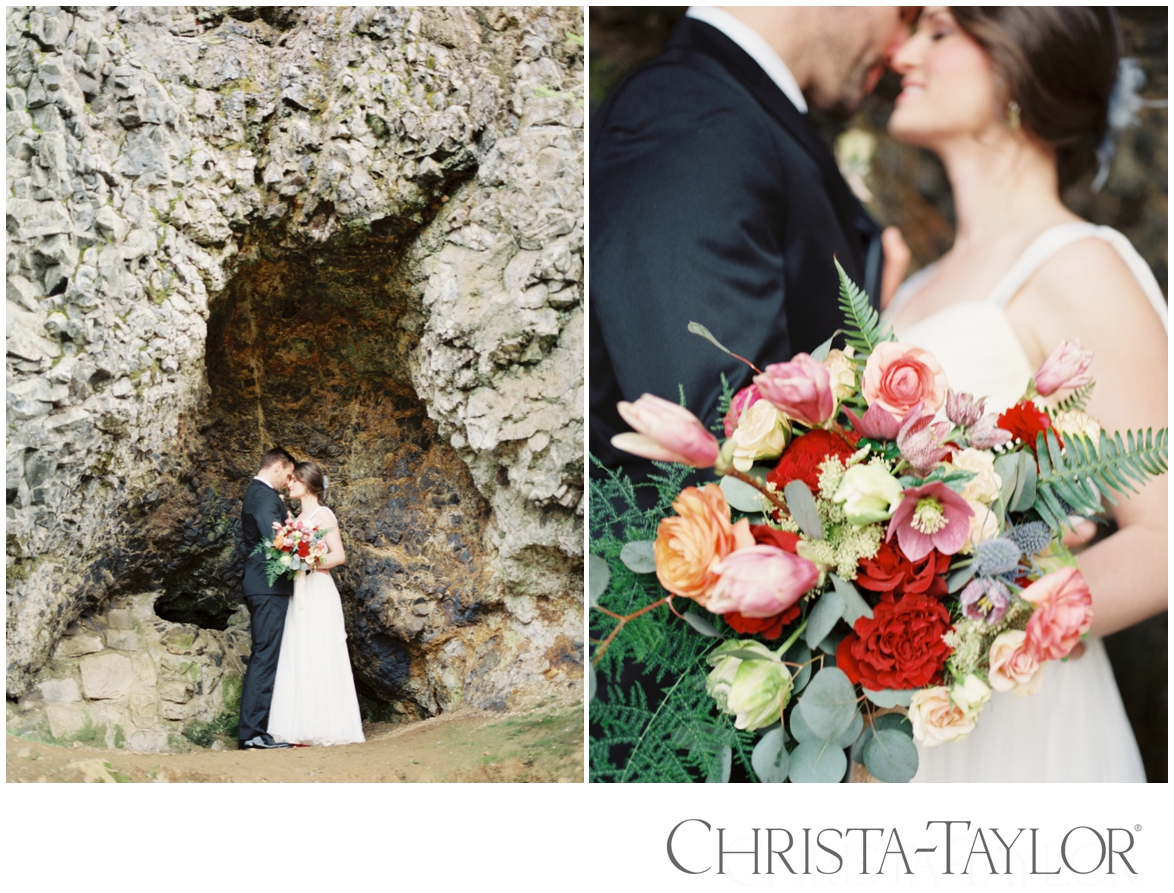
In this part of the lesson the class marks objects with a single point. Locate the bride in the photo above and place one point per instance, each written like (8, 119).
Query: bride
(1014, 102)
(314, 698)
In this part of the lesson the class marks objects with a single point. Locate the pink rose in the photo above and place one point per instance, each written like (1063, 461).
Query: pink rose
(1063, 613)
(742, 401)
(897, 377)
(665, 432)
(1066, 367)
(1013, 668)
(760, 581)
(801, 388)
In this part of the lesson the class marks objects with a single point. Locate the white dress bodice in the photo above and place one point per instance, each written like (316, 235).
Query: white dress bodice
(1075, 728)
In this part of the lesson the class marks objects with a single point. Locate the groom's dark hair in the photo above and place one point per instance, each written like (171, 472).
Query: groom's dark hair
(276, 456)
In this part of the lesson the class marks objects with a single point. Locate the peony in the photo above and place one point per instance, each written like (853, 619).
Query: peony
(897, 377)
(753, 691)
(931, 516)
(890, 572)
(689, 546)
(842, 371)
(1063, 613)
(984, 486)
(1013, 668)
(899, 647)
(762, 433)
(943, 714)
(869, 494)
(800, 461)
(1066, 367)
(760, 581)
(801, 388)
(665, 432)
(742, 401)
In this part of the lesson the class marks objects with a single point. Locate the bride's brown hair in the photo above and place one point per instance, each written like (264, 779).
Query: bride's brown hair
(311, 475)
(1059, 64)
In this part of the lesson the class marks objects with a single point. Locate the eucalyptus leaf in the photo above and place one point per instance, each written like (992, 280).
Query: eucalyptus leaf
(801, 505)
(821, 352)
(961, 577)
(719, 772)
(1006, 467)
(824, 614)
(770, 759)
(702, 625)
(855, 606)
(598, 576)
(698, 329)
(638, 557)
(889, 697)
(745, 654)
(829, 645)
(828, 703)
(890, 756)
(814, 761)
(799, 654)
(896, 721)
(800, 731)
(849, 736)
(1025, 480)
(741, 496)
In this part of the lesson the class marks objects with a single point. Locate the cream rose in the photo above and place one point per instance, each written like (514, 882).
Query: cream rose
(843, 372)
(1013, 668)
(984, 525)
(943, 714)
(762, 433)
(984, 486)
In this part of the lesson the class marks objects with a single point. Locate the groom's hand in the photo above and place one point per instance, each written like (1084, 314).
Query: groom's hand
(897, 255)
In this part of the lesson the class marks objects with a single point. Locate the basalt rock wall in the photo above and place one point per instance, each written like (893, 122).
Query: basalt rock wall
(356, 232)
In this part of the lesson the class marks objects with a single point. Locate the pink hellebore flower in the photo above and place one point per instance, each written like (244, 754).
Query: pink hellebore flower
(921, 440)
(1066, 367)
(742, 401)
(1063, 613)
(801, 388)
(876, 424)
(665, 432)
(930, 517)
(760, 581)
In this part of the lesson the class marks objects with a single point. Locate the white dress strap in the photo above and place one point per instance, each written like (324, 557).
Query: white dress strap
(1052, 240)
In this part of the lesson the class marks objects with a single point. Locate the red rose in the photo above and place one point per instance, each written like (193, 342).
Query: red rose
(900, 647)
(767, 627)
(800, 461)
(303, 549)
(889, 571)
(1024, 421)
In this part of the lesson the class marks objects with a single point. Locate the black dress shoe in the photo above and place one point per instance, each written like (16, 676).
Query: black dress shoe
(262, 742)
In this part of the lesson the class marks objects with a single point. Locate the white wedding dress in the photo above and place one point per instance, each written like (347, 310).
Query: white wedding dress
(314, 699)
(1075, 728)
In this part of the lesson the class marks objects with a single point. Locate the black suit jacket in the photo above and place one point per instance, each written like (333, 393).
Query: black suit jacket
(262, 506)
(713, 199)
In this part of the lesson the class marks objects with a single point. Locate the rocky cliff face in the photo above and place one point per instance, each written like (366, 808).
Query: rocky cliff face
(356, 232)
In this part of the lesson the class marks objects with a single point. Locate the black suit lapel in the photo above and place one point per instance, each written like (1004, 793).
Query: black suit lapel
(697, 35)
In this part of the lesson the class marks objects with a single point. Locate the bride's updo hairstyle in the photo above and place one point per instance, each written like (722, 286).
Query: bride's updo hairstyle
(1059, 64)
(311, 475)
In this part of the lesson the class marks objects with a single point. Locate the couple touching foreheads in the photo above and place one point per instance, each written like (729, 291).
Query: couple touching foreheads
(298, 688)
(713, 199)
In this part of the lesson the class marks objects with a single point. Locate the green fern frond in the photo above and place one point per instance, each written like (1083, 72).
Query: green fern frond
(1077, 400)
(862, 324)
(1083, 472)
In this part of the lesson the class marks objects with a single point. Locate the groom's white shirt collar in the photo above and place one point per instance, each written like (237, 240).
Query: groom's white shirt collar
(756, 47)
(258, 477)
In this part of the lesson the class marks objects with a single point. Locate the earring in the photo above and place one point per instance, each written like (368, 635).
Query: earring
(1013, 121)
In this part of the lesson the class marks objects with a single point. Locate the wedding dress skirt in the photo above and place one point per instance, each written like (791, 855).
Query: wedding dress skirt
(314, 699)
(1075, 728)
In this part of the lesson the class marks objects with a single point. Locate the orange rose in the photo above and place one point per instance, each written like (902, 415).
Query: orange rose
(279, 541)
(689, 546)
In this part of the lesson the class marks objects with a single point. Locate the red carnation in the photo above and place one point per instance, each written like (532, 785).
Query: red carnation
(304, 549)
(890, 572)
(768, 627)
(800, 461)
(901, 647)
(1024, 421)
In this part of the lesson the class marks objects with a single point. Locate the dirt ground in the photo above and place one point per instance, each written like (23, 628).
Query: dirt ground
(463, 746)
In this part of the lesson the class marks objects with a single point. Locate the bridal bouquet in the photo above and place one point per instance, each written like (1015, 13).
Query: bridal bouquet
(880, 554)
(295, 547)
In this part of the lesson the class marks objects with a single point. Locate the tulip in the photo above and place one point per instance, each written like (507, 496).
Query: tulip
(801, 388)
(869, 494)
(753, 691)
(760, 581)
(665, 432)
(1066, 367)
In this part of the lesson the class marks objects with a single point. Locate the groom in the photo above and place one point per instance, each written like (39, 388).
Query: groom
(714, 199)
(267, 604)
